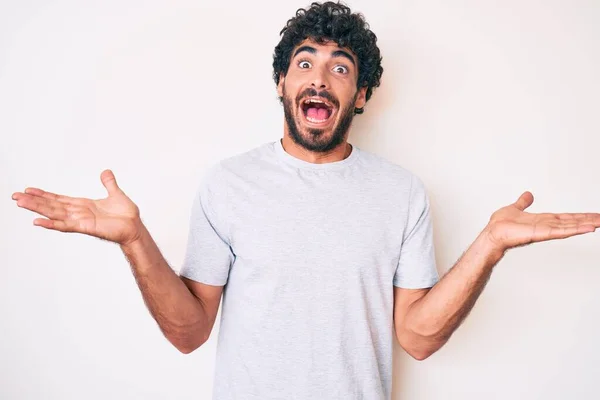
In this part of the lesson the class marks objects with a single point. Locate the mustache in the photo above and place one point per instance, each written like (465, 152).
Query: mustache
(310, 92)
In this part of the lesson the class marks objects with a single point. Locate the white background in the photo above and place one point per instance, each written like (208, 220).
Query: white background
(481, 99)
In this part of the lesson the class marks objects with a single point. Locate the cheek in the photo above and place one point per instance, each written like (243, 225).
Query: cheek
(345, 90)
(291, 88)
(354, 94)
(295, 80)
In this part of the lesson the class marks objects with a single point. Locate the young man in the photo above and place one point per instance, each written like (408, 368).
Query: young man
(322, 253)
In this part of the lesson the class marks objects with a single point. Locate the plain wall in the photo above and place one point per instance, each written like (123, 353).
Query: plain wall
(481, 99)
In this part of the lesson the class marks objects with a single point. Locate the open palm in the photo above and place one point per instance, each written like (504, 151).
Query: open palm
(511, 226)
(115, 218)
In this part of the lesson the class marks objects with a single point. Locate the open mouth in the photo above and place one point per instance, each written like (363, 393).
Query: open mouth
(316, 111)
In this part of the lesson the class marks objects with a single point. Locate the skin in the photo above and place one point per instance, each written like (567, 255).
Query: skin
(184, 310)
(424, 319)
(328, 71)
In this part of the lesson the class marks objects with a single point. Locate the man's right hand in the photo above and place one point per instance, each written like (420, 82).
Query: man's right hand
(115, 218)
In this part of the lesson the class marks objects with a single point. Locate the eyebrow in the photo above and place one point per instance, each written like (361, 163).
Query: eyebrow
(337, 53)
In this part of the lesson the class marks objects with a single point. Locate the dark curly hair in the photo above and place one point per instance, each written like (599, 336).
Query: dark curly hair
(336, 22)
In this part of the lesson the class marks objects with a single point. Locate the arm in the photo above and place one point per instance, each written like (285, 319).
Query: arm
(425, 324)
(184, 310)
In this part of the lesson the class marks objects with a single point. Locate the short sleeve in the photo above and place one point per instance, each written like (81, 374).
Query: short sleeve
(416, 267)
(208, 256)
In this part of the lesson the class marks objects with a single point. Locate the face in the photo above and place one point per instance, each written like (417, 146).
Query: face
(319, 94)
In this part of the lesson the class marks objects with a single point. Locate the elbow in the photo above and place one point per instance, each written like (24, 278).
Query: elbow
(186, 343)
(423, 351)
(420, 355)
(185, 349)
(420, 347)
(424, 348)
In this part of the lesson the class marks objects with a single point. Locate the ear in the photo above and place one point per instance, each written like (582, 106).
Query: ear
(361, 98)
(280, 84)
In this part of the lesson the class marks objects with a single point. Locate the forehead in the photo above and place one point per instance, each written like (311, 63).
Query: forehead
(324, 48)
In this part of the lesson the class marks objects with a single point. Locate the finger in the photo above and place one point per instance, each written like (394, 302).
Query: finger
(62, 226)
(52, 196)
(580, 229)
(591, 218)
(569, 216)
(109, 181)
(524, 201)
(555, 224)
(564, 232)
(48, 208)
(582, 218)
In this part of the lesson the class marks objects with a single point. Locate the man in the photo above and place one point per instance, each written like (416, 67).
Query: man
(322, 252)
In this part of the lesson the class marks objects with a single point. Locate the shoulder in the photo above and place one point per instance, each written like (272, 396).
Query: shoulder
(238, 165)
(392, 173)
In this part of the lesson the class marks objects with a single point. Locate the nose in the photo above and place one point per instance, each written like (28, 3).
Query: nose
(319, 79)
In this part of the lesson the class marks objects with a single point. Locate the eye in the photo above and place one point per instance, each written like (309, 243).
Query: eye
(341, 69)
(304, 64)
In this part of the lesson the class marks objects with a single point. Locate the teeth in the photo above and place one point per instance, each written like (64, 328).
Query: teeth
(315, 120)
(308, 101)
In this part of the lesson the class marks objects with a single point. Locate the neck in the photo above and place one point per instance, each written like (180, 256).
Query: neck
(336, 154)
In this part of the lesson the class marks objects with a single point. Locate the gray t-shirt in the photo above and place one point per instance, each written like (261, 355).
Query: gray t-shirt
(309, 254)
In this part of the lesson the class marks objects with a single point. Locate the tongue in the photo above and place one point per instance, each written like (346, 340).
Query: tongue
(317, 113)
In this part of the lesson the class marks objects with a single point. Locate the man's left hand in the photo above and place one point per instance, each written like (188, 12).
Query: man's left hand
(511, 226)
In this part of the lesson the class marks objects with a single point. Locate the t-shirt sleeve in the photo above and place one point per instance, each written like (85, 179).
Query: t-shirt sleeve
(416, 267)
(208, 256)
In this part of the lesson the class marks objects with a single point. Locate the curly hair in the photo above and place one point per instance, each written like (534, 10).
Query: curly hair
(335, 22)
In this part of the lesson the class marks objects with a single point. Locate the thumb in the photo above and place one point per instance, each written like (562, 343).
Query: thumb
(524, 201)
(109, 181)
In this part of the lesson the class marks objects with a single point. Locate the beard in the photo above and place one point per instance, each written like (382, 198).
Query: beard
(315, 139)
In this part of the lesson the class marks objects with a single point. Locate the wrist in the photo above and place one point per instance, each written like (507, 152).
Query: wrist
(137, 237)
(490, 243)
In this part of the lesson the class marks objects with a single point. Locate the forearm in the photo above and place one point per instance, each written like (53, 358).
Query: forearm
(179, 314)
(435, 316)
